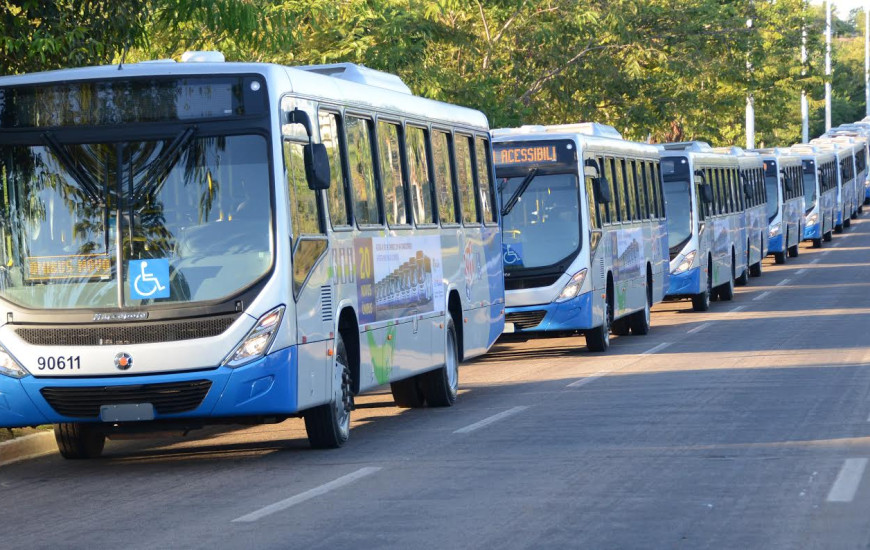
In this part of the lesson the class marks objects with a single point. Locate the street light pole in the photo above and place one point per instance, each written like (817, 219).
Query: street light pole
(827, 65)
(867, 57)
(750, 101)
(805, 108)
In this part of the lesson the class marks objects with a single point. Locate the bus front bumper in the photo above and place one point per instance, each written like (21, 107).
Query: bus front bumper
(687, 283)
(265, 387)
(577, 313)
(813, 231)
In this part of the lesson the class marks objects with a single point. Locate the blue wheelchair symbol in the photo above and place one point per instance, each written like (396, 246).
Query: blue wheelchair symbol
(149, 279)
(512, 254)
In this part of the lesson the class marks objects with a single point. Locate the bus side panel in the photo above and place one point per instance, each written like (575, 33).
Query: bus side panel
(314, 383)
(483, 289)
(661, 271)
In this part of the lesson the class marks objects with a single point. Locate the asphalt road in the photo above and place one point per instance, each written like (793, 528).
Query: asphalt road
(747, 426)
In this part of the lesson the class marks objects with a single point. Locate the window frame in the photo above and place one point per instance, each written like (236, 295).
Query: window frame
(370, 120)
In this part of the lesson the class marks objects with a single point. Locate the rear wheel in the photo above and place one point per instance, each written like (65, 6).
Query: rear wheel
(328, 426)
(847, 222)
(598, 338)
(701, 301)
(817, 243)
(779, 257)
(621, 326)
(77, 440)
(407, 393)
(726, 290)
(640, 320)
(743, 279)
(827, 237)
(441, 386)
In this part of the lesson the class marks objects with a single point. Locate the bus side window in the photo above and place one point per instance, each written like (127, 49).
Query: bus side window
(465, 179)
(392, 180)
(336, 196)
(362, 171)
(443, 177)
(305, 216)
(630, 190)
(619, 188)
(609, 208)
(592, 204)
(657, 187)
(484, 179)
(642, 188)
(418, 169)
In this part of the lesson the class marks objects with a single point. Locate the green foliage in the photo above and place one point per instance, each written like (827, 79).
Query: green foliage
(654, 69)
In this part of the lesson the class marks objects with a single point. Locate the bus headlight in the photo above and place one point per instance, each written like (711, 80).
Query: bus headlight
(257, 342)
(687, 262)
(775, 230)
(572, 289)
(813, 219)
(9, 366)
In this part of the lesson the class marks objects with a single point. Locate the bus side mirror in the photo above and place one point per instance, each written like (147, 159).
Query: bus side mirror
(316, 166)
(602, 189)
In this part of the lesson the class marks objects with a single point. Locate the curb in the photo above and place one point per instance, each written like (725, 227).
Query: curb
(29, 446)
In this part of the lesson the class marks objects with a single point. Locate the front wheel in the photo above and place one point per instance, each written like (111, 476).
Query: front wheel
(827, 237)
(328, 426)
(441, 386)
(779, 257)
(76, 440)
(793, 251)
(817, 243)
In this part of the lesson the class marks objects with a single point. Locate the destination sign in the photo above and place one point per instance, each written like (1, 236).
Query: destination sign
(84, 266)
(534, 154)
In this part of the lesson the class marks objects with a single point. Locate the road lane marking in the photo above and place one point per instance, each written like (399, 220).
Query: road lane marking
(487, 421)
(698, 328)
(307, 495)
(846, 484)
(761, 296)
(838, 243)
(800, 271)
(584, 381)
(783, 282)
(736, 309)
(815, 261)
(657, 348)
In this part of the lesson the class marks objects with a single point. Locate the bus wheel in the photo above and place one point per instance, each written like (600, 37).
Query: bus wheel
(756, 269)
(827, 237)
(407, 393)
(640, 320)
(441, 386)
(817, 243)
(779, 257)
(793, 251)
(621, 326)
(726, 290)
(701, 301)
(328, 426)
(76, 440)
(743, 280)
(598, 338)
(847, 222)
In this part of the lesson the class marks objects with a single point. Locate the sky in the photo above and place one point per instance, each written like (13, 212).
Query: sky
(844, 6)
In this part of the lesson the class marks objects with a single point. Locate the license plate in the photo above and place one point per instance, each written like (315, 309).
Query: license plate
(508, 328)
(127, 412)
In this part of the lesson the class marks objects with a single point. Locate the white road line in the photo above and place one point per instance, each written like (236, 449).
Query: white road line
(815, 261)
(657, 348)
(783, 282)
(307, 495)
(800, 271)
(846, 484)
(487, 421)
(738, 308)
(761, 296)
(698, 328)
(838, 243)
(584, 381)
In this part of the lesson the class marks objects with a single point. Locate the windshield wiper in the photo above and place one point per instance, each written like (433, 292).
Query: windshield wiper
(86, 183)
(157, 171)
(519, 192)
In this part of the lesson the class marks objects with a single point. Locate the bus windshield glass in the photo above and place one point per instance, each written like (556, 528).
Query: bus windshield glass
(809, 184)
(543, 227)
(771, 183)
(678, 198)
(182, 219)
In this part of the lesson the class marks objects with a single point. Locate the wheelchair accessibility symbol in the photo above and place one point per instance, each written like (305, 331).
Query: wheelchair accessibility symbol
(149, 279)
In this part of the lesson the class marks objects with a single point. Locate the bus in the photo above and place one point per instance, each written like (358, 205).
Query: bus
(820, 193)
(707, 236)
(861, 132)
(207, 242)
(584, 231)
(750, 170)
(783, 178)
(848, 186)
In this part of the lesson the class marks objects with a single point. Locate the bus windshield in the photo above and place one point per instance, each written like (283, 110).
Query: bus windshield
(543, 227)
(127, 224)
(809, 184)
(771, 184)
(678, 199)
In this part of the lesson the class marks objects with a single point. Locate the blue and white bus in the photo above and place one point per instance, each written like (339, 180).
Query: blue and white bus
(236, 242)
(706, 223)
(848, 194)
(783, 178)
(820, 192)
(861, 132)
(585, 237)
(750, 169)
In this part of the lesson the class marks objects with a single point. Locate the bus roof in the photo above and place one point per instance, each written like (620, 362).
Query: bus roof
(589, 135)
(343, 83)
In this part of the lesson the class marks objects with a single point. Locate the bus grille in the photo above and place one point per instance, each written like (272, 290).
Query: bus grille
(526, 319)
(530, 282)
(137, 333)
(167, 398)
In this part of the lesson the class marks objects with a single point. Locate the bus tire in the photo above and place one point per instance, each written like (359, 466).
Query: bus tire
(756, 269)
(827, 237)
(407, 393)
(441, 386)
(726, 290)
(639, 321)
(621, 326)
(598, 338)
(793, 251)
(701, 301)
(743, 279)
(847, 222)
(78, 440)
(779, 257)
(817, 243)
(328, 425)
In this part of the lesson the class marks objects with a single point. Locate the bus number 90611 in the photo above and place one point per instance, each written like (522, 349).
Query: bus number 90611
(72, 362)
